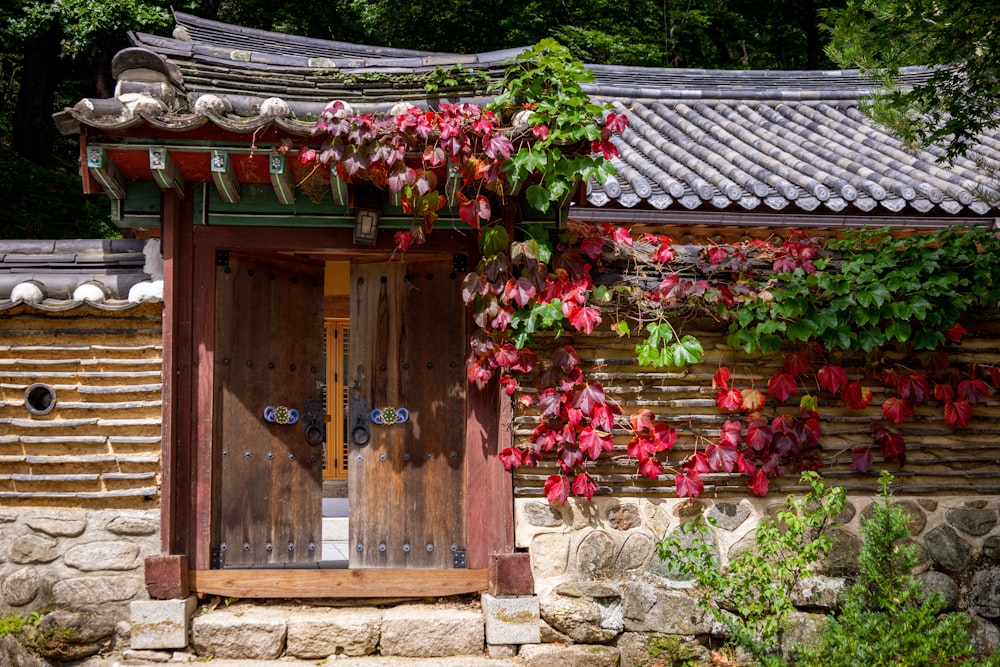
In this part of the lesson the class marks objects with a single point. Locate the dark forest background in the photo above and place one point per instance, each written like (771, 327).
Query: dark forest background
(54, 53)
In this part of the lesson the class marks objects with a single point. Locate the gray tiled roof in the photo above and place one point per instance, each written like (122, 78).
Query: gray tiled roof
(56, 275)
(706, 140)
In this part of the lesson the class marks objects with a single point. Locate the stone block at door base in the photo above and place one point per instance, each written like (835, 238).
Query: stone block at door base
(511, 620)
(161, 624)
(428, 631)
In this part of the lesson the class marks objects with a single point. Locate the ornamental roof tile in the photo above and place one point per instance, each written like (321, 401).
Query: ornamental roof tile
(706, 140)
(56, 275)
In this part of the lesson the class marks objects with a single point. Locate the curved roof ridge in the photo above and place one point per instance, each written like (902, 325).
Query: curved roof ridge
(210, 30)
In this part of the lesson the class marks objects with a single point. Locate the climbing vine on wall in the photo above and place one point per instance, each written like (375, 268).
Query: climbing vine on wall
(895, 302)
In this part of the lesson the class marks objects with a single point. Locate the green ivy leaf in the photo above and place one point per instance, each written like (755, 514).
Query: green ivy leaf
(538, 197)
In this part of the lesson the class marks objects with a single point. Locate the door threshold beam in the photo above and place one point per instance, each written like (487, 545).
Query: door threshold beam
(365, 583)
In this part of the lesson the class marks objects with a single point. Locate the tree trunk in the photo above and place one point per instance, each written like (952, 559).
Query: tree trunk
(34, 131)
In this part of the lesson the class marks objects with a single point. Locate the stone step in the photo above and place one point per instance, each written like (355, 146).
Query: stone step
(142, 659)
(248, 632)
(335, 529)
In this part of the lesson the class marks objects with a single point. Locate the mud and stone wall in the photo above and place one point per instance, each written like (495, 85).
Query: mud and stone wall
(88, 560)
(600, 581)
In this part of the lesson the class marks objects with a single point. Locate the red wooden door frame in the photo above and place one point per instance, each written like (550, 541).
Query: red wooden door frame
(187, 478)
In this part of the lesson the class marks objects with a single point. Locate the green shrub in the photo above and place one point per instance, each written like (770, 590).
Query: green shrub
(886, 618)
(752, 597)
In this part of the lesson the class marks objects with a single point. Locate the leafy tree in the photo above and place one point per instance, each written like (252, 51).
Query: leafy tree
(961, 39)
(87, 31)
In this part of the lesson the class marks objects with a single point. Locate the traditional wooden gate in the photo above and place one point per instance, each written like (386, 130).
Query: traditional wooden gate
(269, 356)
(406, 479)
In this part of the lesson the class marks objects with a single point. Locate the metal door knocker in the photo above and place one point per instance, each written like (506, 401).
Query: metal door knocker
(359, 411)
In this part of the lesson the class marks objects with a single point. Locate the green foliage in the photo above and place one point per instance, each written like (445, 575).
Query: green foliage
(956, 102)
(886, 618)
(11, 624)
(664, 347)
(48, 204)
(85, 23)
(547, 80)
(882, 291)
(455, 76)
(670, 651)
(752, 597)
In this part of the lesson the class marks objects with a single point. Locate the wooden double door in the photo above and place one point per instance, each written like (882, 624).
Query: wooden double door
(405, 477)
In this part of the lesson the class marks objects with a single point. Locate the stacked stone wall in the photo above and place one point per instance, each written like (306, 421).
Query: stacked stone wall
(600, 581)
(75, 559)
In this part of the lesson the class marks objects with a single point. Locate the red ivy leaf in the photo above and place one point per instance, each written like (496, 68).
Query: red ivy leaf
(957, 413)
(721, 378)
(759, 482)
(894, 448)
(520, 291)
(550, 402)
(642, 420)
(955, 333)
(796, 363)
(566, 359)
(557, 488)
(973, 390)
(913, 387)
(731, 433)
(753, 400)
(583, 485)
(582, 318)
(861, 459)
(471, 211)
(783, 424)
(664, 252)
(689, 484)
(477, 373)
(496, 144)
(510, 457)
(603, 417)
(721, 457)
(641, 447)
(506, 355)
(589, 397)
(718, 254)
(855, 396)
(698, 463)
(731, 400)
(403, 240)
(781, 386)
(526, 361)
(995, 376)
(664, 436)
(897, 409)
(944, 392)
(744, 465)
(832, 378)
(616, 122)
(650, 468)
(759, 436)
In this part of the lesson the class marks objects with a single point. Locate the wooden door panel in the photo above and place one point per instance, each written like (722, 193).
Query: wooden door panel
(269, 352)
(407, 484)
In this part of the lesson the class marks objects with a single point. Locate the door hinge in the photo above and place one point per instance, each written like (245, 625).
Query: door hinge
(222, 258)
(459, 560)
(460, 263)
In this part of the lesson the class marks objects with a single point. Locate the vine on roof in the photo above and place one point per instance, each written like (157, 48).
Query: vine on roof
(541, 133)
